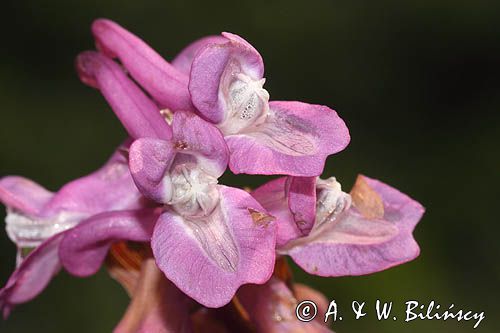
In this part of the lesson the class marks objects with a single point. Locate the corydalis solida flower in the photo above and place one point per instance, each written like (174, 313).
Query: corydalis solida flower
(206, 243)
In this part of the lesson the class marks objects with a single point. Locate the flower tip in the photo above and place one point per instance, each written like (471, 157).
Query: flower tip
(100, 27)
(86, 64)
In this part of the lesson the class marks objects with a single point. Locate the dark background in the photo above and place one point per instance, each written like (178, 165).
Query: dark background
(417, 82)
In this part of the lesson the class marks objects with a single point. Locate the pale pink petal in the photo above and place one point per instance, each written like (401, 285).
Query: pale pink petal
(355, 245)
(138, 114)
(210, 258)
(295, 139)
(214, 69)
(167, 85)
(184, 59)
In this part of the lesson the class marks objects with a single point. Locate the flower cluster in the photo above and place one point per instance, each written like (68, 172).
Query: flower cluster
(178, 240)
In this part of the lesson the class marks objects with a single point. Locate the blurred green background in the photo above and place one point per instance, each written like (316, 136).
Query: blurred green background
(417, 82)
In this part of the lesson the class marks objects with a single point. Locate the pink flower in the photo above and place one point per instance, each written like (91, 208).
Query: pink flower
(225, 86)
(328, 232)
(37, 218)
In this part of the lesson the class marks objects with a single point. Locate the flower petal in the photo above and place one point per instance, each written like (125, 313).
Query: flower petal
(157, 305)
(355, 244)
(84, 248)
(149, 161)
(23, 195)
(209, 258)
(73, 203)
(295, 139)
(109, 188)
(271, 307)
(202, 140)
(302, 202)
(167, 85)
(272, 197)
(213, 70)
(138, 114)
(184, 59)
(32, 276)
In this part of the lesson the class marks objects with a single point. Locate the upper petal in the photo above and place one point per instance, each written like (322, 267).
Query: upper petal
(184, 59)
(149, 161)
(209, 258)
(295, 139)
(356, 244)
(84, 248)
(167, 85)
(32, 276)
(109, 188)
(214, 69)
(138, 114)
(23, 195)
(202, 140)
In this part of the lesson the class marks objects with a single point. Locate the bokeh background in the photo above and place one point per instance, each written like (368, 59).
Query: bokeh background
(417, 82)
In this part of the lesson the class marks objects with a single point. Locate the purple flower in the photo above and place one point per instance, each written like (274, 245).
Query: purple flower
(210, 239)
(37, 218)
(328, 232)
(225, 87)
(204, 240)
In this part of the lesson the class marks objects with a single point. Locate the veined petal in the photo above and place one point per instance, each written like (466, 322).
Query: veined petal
(216, 69)
(149, 161)
(209, 258)
(294, 139)
(24, 195)
(157, 306)
(109, 188)
(271, 307)
(302, 202)
(202, 140)
(355, 244)
(84, 248)
(138, 114)
(184, 59)
(272, 196)
(167, 85)
(32, 276)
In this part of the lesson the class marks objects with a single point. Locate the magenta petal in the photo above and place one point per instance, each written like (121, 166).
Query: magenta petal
(211, 69)
(210, 258)
(22, 194)
(184, 59)
(272, 197)
(32, 276)
(272, 300)
(109, 188)
(355, 245)
(167, 85)
(202, 140)
(149, 161)
(302, 202)
(295, 140)
(84, 248)
(138, 114)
